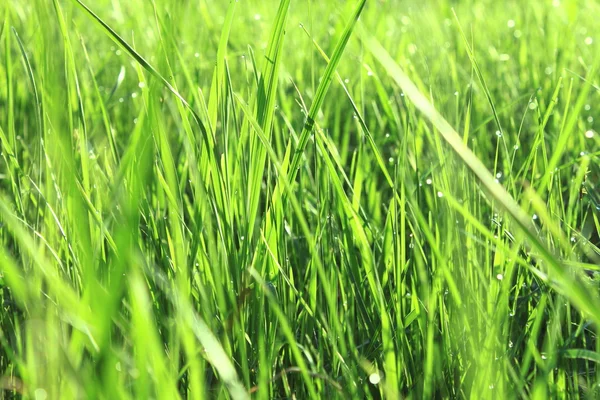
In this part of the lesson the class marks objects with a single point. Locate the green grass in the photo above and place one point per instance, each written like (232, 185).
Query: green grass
(299, 199)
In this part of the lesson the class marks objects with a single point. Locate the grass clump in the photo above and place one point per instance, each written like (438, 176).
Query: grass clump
(299, 199)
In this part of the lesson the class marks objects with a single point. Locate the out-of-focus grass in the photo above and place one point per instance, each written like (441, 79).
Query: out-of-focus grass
(276, 199)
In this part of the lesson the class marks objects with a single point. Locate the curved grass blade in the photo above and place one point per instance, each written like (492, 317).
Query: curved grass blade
(582, 354)
(148, 67)
(265, 106)
(328, 76)
(570, 285)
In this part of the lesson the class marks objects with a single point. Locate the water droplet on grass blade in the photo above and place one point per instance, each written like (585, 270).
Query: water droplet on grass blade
(374, 378)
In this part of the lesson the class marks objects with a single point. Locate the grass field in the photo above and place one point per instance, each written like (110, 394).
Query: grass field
(299, 199)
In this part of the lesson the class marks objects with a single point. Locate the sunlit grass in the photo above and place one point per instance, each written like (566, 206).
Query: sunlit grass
(299, 199)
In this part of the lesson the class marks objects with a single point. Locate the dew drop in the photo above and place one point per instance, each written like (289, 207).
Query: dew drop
(374, 378)
(589, 134)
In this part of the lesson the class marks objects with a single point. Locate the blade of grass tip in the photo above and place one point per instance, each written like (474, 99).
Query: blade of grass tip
(216, 89)
(9, 85)
(363, 124)
(583, 79)
(209, 139)
(578, 292)
(565, 133)
(271, 72)
(478, 72)
(267, 94)
(328, 75)
(358, 114)
(100, 101)
(322, 89)
(39, 112)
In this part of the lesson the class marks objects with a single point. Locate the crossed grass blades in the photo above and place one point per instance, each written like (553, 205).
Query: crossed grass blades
(257, 200)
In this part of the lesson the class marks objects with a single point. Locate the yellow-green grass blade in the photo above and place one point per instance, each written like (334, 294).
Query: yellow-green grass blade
(570, 286)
